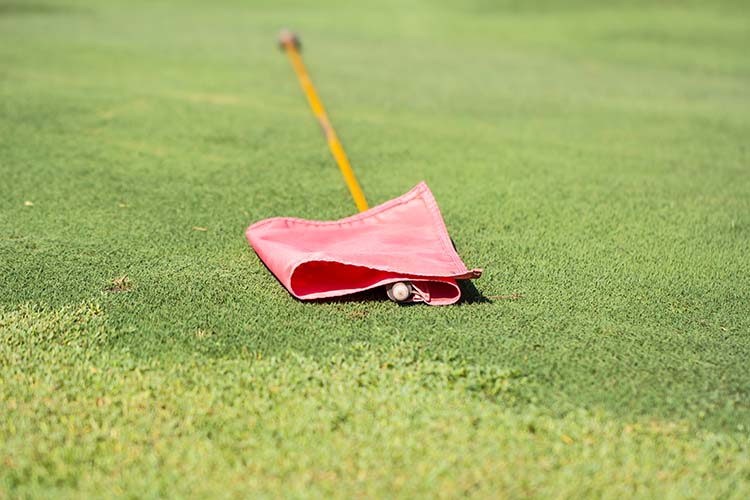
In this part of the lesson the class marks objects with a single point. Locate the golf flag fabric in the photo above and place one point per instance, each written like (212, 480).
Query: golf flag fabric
(404, 239)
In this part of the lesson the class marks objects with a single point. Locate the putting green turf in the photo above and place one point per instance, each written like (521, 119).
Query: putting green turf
(593, 159)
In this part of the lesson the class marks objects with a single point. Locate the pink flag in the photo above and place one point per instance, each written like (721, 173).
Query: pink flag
(404, 239)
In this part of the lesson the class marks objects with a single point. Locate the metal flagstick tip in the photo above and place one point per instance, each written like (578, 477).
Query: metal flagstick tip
(288, 38)
(400, 291)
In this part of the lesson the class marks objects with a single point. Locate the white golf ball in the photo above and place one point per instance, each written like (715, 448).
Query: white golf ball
(401, 291)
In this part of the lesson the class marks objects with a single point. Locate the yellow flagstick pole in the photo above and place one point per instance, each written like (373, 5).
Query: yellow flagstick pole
(290, 44)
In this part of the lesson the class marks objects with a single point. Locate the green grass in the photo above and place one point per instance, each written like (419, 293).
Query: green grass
(592, 158)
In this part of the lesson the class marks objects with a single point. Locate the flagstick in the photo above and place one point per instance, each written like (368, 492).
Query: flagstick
(290, 44)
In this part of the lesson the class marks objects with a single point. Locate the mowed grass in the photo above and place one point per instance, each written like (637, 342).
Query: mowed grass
(593, 159)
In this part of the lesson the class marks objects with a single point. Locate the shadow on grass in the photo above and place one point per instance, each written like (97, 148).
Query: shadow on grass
(470, 294)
